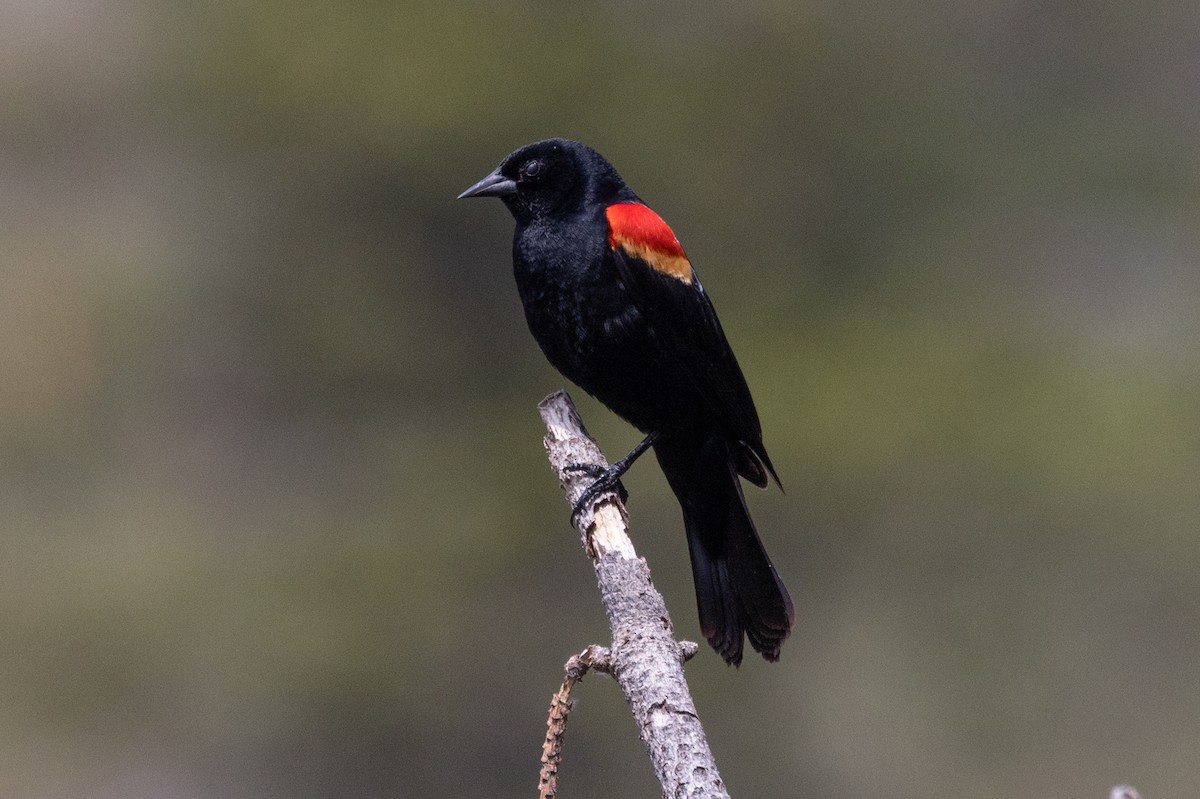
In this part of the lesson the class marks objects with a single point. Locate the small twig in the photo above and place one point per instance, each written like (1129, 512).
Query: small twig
(687, 650)
(594, 657)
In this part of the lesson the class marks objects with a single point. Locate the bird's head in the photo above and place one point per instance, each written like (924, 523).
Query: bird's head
(548, 178)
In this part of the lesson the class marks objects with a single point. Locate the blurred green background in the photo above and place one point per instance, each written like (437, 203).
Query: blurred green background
(276, 521)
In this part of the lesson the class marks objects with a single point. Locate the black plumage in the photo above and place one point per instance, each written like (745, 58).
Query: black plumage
(612, 300)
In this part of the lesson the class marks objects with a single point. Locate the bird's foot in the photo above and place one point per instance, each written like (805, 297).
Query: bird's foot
(604, 479)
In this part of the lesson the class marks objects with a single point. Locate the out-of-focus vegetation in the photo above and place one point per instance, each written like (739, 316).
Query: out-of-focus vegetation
(275, 517)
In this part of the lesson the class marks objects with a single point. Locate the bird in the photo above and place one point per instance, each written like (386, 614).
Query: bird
(612, 299)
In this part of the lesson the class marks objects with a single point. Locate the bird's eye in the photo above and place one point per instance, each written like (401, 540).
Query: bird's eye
(532, 169)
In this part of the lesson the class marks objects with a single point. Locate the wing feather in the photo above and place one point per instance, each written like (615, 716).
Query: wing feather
(682, 316)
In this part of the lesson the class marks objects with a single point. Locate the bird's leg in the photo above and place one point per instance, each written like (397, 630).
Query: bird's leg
(607, 479)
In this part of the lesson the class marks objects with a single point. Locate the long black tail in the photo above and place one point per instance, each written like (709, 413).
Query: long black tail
(737, 589)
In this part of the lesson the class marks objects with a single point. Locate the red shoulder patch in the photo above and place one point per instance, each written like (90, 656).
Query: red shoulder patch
(643, 234)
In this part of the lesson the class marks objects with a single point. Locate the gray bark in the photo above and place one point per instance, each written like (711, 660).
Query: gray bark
(645, 658)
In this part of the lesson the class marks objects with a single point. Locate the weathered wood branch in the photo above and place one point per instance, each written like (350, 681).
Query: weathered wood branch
(644, 657)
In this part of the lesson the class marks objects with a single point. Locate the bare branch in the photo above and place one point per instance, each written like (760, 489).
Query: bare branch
(645, 658)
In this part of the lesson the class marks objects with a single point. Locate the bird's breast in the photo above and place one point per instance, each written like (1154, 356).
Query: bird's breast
(590, 329)
(578, 316)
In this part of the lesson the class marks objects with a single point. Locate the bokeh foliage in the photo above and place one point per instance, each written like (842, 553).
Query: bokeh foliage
(276, 521)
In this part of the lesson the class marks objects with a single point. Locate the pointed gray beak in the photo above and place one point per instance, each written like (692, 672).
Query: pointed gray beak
(494, 185)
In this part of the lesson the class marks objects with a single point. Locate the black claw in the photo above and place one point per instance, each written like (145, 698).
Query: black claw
(593, 470)
(605, 480)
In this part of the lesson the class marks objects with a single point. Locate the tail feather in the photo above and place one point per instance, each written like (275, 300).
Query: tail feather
(738, 593)
(720, 615)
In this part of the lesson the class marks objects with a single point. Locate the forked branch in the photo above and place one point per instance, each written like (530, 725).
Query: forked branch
(644, 657)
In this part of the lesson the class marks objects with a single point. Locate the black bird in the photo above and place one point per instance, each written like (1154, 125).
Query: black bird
(615, 305)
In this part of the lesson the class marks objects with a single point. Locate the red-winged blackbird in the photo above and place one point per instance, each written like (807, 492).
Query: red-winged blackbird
(615, 305)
